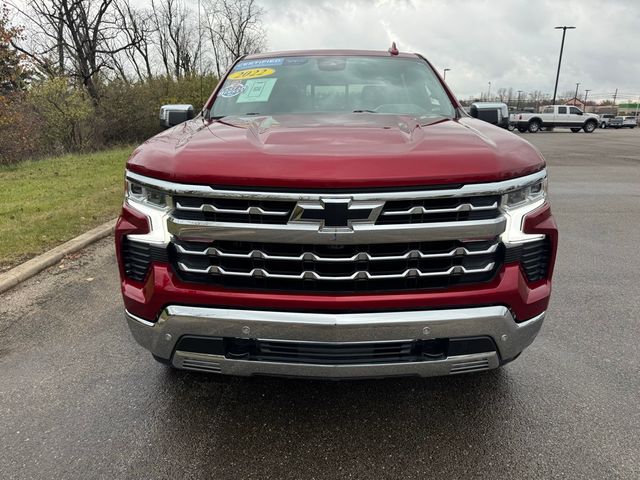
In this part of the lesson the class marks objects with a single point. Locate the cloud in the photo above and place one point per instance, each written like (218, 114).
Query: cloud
(509, 43)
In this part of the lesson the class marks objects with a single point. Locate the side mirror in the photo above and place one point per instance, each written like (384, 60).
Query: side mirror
(172, 115)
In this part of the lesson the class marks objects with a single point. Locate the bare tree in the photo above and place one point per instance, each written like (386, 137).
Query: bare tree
(137, 30)
(85, 35)
(176, 38)
(234, 28)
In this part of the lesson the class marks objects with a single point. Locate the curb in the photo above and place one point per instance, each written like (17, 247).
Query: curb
(31, 267)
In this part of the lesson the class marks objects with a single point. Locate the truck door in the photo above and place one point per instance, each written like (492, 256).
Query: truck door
(575, 116)
(562, 117)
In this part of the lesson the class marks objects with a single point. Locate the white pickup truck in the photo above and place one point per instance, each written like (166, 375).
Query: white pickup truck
(552, 116)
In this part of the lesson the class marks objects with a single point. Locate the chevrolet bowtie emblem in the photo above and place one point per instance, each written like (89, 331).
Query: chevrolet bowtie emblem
(331, 214)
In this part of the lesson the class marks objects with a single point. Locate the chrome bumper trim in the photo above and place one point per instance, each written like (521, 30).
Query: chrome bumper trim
(175, 321)
(449, 366)
(360, 234)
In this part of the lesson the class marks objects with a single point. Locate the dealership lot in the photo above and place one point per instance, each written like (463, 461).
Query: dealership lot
(79, 399)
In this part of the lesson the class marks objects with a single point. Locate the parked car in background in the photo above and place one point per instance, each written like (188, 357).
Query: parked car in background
(556, 116)
(495, 113)
(605, 118)
(623, 122)
(616, 122)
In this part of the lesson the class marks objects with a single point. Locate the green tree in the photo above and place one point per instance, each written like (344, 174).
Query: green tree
(65, 110)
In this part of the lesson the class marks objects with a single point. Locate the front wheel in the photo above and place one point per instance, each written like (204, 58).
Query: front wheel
(589, 127)
(575, 130)
(603, 125)
(534, 126)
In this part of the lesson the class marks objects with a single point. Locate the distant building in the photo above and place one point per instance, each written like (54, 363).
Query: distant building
(628, 108)
(602, 109)
(576, 102)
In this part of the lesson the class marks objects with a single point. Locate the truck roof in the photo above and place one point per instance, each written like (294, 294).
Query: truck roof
(298, 53)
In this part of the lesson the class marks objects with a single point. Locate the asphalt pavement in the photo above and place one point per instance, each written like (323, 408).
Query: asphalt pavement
(80, 399)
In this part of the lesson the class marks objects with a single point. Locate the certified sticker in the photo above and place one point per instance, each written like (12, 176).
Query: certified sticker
(262, 62)
(232, 90)
(252, 73)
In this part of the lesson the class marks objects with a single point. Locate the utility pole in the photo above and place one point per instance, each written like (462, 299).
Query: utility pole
(445, 73)
(564, 32)
(586, 92)
(575, 97)
(489, 93)
(518, 104)
(614, 97)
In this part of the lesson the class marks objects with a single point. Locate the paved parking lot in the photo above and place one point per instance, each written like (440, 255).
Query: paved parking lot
(79, 399)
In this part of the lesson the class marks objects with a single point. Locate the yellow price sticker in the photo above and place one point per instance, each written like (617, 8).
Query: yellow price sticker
(252, 73)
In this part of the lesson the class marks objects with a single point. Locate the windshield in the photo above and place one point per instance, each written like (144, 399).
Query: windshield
(332, 84)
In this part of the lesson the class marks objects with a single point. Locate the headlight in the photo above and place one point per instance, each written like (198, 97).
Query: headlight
(525, 196)
(137, 192)
(516, 204)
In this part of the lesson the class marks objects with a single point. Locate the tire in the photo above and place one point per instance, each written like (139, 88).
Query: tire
(511, 127)
(576, 130)
(534, 126)
(603, 125)
(632, 128)
(522, 129)
(589, 127)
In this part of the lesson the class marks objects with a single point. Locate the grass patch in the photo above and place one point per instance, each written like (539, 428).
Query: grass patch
(47, 202)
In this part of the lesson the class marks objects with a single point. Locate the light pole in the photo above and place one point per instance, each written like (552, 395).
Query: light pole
(586, 93)
(564, 32)
(575, 97)
(445, 73)
(518, 103)
(489, 92)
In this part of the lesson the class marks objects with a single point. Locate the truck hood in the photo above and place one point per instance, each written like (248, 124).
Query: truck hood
(334, 151)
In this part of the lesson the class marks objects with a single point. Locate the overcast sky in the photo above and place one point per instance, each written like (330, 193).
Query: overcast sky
(508, 43)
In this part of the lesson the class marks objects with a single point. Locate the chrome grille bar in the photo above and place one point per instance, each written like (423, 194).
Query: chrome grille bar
(198, 231)
(463, 207)
(309, 256)
(252, 210)
(311, 275)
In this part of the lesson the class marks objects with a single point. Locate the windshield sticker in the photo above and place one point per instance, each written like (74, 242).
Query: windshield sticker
(253, 73)
(257, 90)
(295, 61)
(232, 90)
(263, 62)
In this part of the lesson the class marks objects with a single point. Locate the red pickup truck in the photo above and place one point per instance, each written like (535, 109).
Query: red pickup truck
(335, 214)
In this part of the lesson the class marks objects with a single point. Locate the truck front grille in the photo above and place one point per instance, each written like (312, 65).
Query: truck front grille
(232, 210)
(342, 268)
(455, 209)
(276, 212)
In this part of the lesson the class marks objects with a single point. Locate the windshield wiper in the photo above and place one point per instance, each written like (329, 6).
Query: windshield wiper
(364, 111)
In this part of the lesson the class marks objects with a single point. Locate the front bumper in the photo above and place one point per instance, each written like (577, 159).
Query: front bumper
(496, 322)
